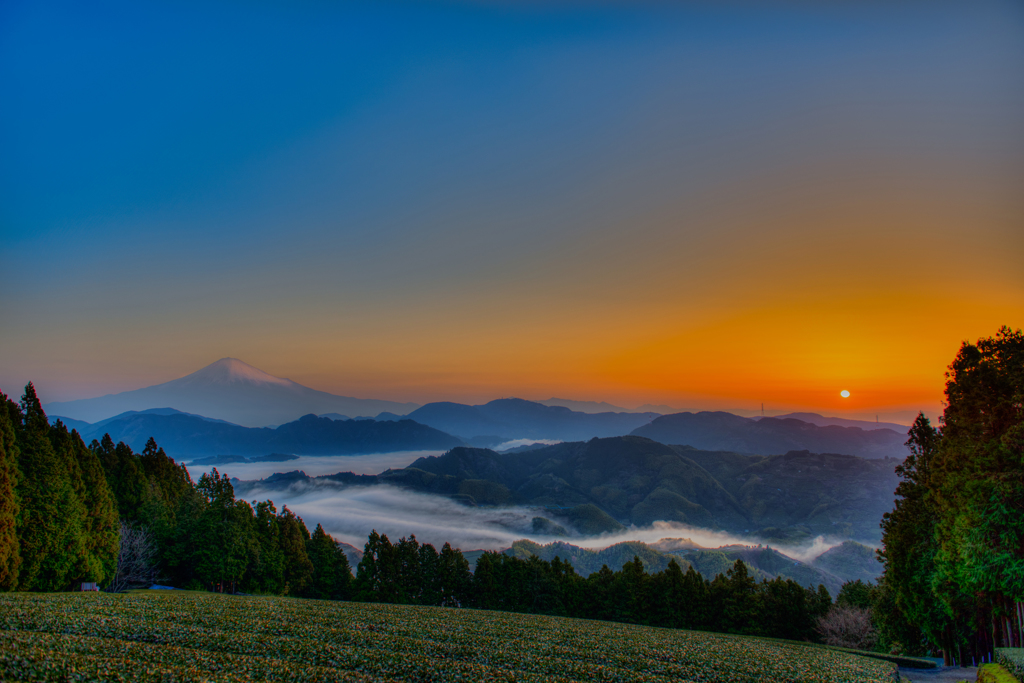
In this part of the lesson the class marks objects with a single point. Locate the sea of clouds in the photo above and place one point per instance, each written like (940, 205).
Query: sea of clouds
(350, 513)
(315, 465)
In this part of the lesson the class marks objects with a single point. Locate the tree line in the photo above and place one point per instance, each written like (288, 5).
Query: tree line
(71, 513)
(407, 572)
(953, 547)
(74, 513)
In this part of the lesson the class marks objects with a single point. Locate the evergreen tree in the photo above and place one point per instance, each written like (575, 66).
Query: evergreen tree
(908, 540)
(370, 580)
(124, 476)
(456, 578)
(786, 610)
(735, 598)
(98, 552)
(601, 591)
(430, 573)
(979, 492)
(170, 479)
(567, 588)
(266, 572)
(177, 557)
(10, 555)
(668, 590)
(223, 543)
(298, 570)
(631, 589)
(410, 574)
(694, 603)
(52, 516)
(856, 594)
(332, 574)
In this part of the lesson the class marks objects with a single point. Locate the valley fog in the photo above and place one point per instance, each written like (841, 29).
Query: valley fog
(350, 513)
(315, 465)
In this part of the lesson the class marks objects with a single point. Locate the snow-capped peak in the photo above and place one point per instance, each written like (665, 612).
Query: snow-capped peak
(232, 370)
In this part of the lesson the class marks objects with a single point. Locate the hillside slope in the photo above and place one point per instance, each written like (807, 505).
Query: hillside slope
(171, 635)
(604, 484)
(718, 431)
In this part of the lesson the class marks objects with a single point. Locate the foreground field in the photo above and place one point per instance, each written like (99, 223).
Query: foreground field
(161, 636)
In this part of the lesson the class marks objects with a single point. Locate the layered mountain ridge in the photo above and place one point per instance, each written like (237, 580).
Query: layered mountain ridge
(230, 390)
(187, 436)
(605, 485)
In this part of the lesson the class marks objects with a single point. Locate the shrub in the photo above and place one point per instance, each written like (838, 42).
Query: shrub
(994, 673)
(846, 626)
(1012, 659)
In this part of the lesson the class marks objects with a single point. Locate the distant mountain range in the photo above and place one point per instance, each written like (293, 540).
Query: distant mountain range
(603, 407)
(822, 421)
(184, 436)
(717, 431)
(236, 394)
(514, 418)
(603, 485)
(228, 390)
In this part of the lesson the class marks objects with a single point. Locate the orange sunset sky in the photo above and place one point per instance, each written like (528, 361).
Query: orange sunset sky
(680, 204)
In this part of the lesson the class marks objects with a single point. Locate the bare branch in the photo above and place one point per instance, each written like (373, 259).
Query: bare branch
(848, 627)
(136, 559)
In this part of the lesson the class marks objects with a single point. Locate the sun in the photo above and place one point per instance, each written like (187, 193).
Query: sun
(844, 393)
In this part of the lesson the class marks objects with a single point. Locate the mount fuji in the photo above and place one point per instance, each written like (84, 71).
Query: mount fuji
(229, 390)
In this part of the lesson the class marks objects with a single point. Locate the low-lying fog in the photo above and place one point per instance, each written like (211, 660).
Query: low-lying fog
(316, 465)
(349, 513)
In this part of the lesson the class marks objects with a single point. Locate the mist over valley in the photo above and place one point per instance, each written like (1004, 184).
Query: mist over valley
(485, 476)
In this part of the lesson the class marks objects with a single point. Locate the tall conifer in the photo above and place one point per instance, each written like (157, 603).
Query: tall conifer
(10, 556)
(101, 521)
(52, 516)
(332, 574)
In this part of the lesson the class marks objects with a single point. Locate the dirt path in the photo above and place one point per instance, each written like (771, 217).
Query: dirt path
(946, 674)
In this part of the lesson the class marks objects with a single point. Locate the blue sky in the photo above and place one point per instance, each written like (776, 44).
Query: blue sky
(462, 200)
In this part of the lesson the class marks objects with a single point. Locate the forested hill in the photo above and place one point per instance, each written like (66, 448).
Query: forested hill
(188, 436)
(718, 431)
(843, 562)
(602, 484)
(514, 418)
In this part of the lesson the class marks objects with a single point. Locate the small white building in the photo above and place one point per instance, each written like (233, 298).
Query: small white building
(86, 586)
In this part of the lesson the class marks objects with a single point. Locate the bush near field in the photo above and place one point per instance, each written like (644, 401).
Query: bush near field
(195, 636)
(1012, 659)
(995, 673)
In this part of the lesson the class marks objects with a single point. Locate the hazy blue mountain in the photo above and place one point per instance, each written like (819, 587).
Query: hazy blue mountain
(765, 562)
(851, 561)
(228, 390)
(69, 423)
(514, 418)
(587, 561)
(661, 409)
(591, 407)
(604, 485)
(97, 427)
(186, 436)
(822, 421)
(230, 459)
(719, 431)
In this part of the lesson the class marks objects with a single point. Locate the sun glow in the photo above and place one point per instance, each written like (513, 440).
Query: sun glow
(844, 393)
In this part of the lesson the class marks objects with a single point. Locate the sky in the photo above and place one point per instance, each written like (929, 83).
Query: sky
(704, 205)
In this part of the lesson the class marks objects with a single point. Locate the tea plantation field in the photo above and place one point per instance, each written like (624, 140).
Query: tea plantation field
(166, 636)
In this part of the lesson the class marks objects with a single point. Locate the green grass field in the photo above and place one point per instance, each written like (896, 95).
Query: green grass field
(169, 636)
